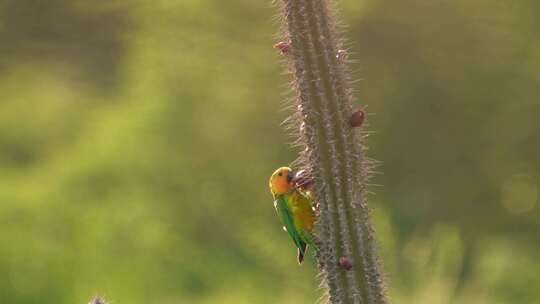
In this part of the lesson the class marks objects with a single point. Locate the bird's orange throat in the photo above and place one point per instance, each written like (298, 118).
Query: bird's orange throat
(281, 186)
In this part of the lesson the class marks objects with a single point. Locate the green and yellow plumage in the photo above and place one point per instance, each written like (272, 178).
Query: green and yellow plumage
(294, 209)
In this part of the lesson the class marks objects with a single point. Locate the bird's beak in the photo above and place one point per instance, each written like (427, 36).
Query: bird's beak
(290, 177)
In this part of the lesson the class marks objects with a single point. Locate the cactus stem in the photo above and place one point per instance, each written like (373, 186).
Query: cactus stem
(333, 154)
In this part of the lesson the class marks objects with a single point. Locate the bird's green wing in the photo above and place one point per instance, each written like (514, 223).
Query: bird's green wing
(306, 237)
(287, 219)
(306, 201)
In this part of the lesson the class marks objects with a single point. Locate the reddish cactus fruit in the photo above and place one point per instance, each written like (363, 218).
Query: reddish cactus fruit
(283, 47)
(357, 118)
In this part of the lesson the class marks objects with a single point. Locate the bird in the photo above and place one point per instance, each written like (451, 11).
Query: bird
(294, 209)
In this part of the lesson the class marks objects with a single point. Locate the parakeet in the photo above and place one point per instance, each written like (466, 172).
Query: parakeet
(294, 209)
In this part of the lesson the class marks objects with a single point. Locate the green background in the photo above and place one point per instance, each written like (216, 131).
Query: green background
(137, 138)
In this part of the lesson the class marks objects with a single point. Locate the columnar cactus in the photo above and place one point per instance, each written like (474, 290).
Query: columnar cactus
(331, 152)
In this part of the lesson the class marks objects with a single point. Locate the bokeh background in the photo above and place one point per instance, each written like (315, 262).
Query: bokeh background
(137, 137)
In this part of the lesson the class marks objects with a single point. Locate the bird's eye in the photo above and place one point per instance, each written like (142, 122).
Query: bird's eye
(280, 174)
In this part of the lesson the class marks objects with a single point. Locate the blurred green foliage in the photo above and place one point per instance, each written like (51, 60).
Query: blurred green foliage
(137, 137)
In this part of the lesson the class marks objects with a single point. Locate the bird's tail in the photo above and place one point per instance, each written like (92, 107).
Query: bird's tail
(301, 252)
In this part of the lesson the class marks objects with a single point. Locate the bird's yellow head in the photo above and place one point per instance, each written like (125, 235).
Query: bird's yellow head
(280, 181)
